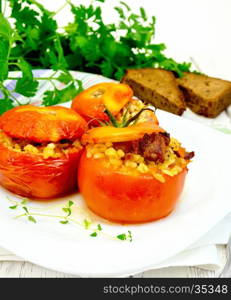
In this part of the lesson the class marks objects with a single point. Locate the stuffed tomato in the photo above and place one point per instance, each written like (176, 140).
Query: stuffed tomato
(92, 102)
(132, 175)
(40, 150)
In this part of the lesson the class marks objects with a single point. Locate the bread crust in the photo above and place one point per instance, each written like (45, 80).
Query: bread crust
(204, 95)
(158, 87)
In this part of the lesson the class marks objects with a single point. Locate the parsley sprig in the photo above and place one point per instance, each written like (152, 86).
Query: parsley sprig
(88, 44)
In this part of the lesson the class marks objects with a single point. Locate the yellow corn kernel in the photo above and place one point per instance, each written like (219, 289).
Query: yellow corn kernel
(89, 154)
(120, 153)
(130, 164)
(159, 177)
(108, 144)
(31, 149)
(50, 146)
(17, 147)
(115, 162)
(168, 172)
(48, 153)
(77, 144)
(138, 158)
(142, 168)
(98, 155)
(111, 152)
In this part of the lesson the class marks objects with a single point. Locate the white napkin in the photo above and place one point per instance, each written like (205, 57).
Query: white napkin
(207, 253)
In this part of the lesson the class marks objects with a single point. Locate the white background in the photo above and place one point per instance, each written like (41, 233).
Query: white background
(190, 28)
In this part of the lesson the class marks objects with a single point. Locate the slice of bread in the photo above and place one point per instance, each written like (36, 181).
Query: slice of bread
(205, 95)
(158, 87)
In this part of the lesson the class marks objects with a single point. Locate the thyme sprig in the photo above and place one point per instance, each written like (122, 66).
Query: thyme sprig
(125, 121)
(94, 229)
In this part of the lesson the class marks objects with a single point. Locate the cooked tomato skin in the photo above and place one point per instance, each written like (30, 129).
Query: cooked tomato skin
(124, 198)
(42, 124)
(91, 104)
(32, 176)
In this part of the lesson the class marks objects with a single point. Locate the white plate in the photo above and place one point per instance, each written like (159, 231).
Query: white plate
(70, 249)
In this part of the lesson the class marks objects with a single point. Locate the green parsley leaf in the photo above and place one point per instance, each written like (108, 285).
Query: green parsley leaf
(5, 44)
(125, 5)
(65, 77)
(88, 44)
(143, 14)
(5, 104)
(25, 68)
(61, 96)
(5, 28)
(26, 87)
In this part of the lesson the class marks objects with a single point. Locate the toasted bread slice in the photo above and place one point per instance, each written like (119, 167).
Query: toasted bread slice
(158, 87)
(205, 95)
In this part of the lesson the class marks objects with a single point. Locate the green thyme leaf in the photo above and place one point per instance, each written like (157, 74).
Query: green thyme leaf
(94, 234)
(112, 118)
(32, 219)
(13, 207)
(122, 237)
(26, 209)
(64, 222)
(130, 236)
(125, 236)
(99, 227)
(87, 224)
(70, 203)
(67, 210)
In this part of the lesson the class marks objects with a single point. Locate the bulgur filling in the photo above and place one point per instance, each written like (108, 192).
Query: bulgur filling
(46, 150)
(131, 109)
(118, 159)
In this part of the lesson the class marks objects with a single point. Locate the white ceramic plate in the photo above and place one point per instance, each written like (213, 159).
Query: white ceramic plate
(69, 248)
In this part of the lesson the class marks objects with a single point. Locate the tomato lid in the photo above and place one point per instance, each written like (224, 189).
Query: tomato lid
(42, 124)
(113, 134)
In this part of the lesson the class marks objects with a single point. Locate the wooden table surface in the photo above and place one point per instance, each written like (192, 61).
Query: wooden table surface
(28, 270)
(20, 269)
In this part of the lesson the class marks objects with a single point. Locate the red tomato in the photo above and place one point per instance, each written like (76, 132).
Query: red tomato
(31, 176)
(42, 124)
(124, 198)
(91, 103)
(113, 134)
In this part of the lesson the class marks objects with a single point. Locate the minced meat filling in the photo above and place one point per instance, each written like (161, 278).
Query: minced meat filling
(152, 147)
